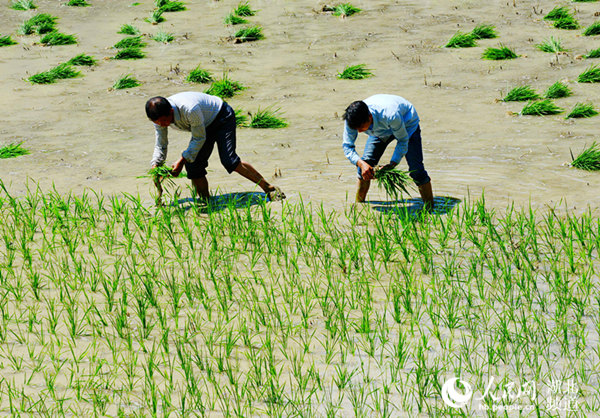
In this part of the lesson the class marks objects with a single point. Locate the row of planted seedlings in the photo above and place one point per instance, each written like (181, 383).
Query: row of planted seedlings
(111, 307)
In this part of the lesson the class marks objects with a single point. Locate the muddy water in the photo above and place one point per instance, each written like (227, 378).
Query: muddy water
(83, 135)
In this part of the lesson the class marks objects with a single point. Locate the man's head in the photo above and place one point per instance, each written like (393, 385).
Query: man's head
(358, 116)
(159, 111)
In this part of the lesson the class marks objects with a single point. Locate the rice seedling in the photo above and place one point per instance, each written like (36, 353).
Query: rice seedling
(40, 24)
(172, 6)
(22, 5)
(484, 32)
(588, 159)
(355, 72)
(224, 88)
(82, 60)
(500, 53)
(57, 38)
(345, 10)
(253, 33)
(393, 180)
(558, 90)
(461, 40)
(267, 118)
(595, 53)
(233, 19)
(521, 94)
(590, 75)
(126, 82)
(130, 42)
(61, 71)
(557, 13)
(163, 37)
(543, 107)
(78, 3)
(593, 29)
(552, 45)
(128, 29)
(199, 75)
(582, 110)
(244, 9)
(156, 17)
(7, 41)
(12, 151)
(131, 53)
(567, 22)
(241, 118)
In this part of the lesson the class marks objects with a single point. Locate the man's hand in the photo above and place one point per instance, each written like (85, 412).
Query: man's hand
(366, 170)
(387, 166)
(177, 167)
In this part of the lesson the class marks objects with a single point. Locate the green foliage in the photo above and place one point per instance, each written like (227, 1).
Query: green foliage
(355, 72)
(156, 17)
(224, 88)
(12, 151)
(252, 33)
(591, 75)
(233, 19)
(558, 12)
(345, 10)
(126, 82)
(164, 37)
(199, 75)
(393, 180)
(128, 29)
(484, 32)
(57, 38)
(241, 118)
(82, 60)
(131, 53)
(61, 71)
(582, 110)
(589, 159)
(131, 42)
(40, 24)
(6, 41)
(501, 53)
(78, 3)
(22, 5)
(543, 107)
(557, 91)
(552, 45)
(593, 29)
(595, 53)
(461, 40)
(521, 94)
(267, 118)
(567, 22)
(244, 9)
(172, 6)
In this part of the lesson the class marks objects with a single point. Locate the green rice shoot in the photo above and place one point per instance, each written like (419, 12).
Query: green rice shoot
(163, 37)
(345, 10)
(558, 12)
(126, 82)
(40, 24)
(484, 32)
(233, 19)
(591, 75)
(588, 159)
(156, 17)
(568, 22)
(393, 181)
(199, 75)
(521, 94)
(593, 29)
(500, 53)
(267, 118)
(22, 5)
(461, 40)
(7, 41)
(131, 53)
(558, 90)
(244, 9)
(61, 71)
(543, 107)
(82, 60)
(130, 42)
(355, 72)
(224, 88)
(551, 45)
(253, 33)
(78, 3)
(172, 6)
(12, 151)
(57, 38)
(128, 29)
(594, 53)
(241, 118)
(582, 110)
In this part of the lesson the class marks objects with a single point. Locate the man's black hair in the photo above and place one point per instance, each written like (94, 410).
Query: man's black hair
(156, 107)
(357, 114)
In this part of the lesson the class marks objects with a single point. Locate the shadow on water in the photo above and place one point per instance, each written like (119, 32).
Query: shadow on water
(414, 207)
(221, 202)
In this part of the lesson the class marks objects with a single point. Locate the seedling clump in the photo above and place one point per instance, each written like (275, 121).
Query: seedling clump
(241, 118)
(484, 32)
(589, 159)
(57, 38)
(543, 107)
(345, 10)
(252, 33)
(355, 72)
(78, 3)
(199, 75)
(82, 60)
(233, 19)
(552, 45)
(567, 22)
(591, 75)
(170, 6)
(22, 5)
(595, 53)
(461, 40)
(134, 42)
(582, 110)
(126, 82)
(156, 17)
(128, 29)
(163, 37)
(267, 118)
(40, 24)
(393, 180)
(558, 12)
(6, 41)
(501, 53)
(243, 9)
(12, 151)
(131, 53)
(224, 88)
(593, 29)
(557, 91)
(59, 72)
(521, 94)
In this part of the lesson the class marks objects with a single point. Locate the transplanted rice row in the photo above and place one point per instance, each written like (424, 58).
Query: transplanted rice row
(113, 308)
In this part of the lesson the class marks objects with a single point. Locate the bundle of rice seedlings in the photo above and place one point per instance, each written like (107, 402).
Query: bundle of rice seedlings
(172, 6)
(78, 3)
(501, 53)
(128, 29)
(164, 37)
(82, 60)
(244, 9)
(583, 110)
(233, 19)
(393, 181)
(126, 82)
(589, 159)
(557, 13)
(595, 53)
(521, 94)
(131, 53)
(566, 22)
(252, 33)
(267, 118)
(12, 151)
(156, 17)
(355, 72)
(40, 24)
(593, 29)
(461, 40)
(159, 175)
(224, 88)
(484, 32)
(241, 118)
(57, 38)
(131, 42)
(61, 71)
(345, 10)
(22, 5)
(552, 45)
(543, 107)
(591, 75)
(558, 90)
(6, 41)
(199, 75)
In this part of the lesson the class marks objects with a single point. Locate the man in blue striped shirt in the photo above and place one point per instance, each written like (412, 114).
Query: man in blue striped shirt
(211, 121)
(385, 117)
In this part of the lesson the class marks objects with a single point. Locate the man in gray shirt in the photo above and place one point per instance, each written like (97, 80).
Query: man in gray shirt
(211, 121)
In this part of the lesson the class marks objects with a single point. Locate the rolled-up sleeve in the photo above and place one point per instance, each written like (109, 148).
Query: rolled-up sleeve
(348, 144)
(198, 130)
(160, 148)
